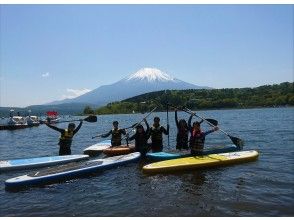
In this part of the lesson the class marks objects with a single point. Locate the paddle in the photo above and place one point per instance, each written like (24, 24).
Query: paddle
(136, 124)
(167, 118)
(236, 141)
(90, 118)
(133, 126)
(211, 120)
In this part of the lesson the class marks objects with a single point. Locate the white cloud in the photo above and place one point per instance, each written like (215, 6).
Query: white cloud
(73, 93)
(46, 75)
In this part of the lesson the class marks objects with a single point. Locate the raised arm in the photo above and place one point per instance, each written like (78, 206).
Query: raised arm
(123, 131)
(78, 128)
(210, 131)
(176, 118)
(165, 131)
(189, 123)
(147, 125)
(55, 128)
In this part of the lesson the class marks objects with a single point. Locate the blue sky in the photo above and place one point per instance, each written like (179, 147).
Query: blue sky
(49, 52)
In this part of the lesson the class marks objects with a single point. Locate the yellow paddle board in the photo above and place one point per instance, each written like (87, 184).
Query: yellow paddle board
(195, 162)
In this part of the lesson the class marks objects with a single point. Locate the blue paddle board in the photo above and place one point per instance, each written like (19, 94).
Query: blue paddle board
(18, 164)
(70, 171)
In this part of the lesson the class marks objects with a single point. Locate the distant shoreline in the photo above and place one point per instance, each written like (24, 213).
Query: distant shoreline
(198, 110)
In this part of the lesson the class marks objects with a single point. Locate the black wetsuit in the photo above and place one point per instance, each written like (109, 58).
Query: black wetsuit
(116, 136)
(141, 140)
(65, 139)
(156, 137)
(182, 135)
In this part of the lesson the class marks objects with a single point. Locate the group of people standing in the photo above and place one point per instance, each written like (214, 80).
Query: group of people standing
(142, 135)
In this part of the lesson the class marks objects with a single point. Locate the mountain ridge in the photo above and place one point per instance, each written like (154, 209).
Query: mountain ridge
(143, 81)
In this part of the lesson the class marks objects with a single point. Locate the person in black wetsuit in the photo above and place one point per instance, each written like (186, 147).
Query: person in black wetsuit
(116, 134)
(183, 132)
(197, 137)
(65, 139)
(156, 135)
(141, 137)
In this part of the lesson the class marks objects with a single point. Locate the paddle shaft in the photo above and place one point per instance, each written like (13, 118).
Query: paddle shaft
(212, 125)
(237, 141)
(134, 125)
(167, 122)
(67, 121)
(91, 118)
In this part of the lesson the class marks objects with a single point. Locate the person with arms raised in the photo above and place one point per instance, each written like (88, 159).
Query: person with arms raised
(65, 139)
(183, 132)
(197, 137)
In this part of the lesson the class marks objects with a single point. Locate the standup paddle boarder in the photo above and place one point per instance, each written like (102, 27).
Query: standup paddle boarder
(197, 138)
(156, 132)
(65, 139)
(141, 137)
(116, 134)
(183, 133)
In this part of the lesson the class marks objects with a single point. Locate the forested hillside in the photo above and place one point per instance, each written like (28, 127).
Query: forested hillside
(263, 96)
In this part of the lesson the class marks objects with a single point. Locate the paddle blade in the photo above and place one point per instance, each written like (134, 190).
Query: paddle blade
(212, 121)
(91, 118)
(237, 141)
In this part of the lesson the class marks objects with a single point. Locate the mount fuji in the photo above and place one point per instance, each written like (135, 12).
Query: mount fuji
(143, 81)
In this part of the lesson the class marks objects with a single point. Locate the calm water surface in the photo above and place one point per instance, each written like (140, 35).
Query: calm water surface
(261, 188)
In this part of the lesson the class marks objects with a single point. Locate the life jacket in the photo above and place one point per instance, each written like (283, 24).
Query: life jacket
(116, 136)
(197, 141)
(156, 134)
(67, 135)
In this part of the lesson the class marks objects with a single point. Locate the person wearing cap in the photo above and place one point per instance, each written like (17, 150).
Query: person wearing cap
(197, 136)
(66, 136)
(141, 137)
(116, 134)
(156, 132)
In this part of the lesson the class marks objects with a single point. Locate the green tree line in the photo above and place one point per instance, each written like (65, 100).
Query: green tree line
(263, 96)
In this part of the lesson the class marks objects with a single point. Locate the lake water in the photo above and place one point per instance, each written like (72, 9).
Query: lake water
(261, 188)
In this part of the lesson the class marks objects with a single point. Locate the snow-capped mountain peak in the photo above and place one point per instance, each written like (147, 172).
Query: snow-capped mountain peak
(150, 74)
(143, 81)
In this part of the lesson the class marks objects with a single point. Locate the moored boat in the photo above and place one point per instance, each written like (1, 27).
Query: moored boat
(52, 117)
(14, 122)
(32, 121)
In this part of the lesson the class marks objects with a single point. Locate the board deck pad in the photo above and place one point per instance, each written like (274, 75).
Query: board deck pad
(64, 168)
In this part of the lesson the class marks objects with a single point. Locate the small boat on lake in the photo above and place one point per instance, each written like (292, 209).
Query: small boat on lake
(32, 121)
(19, 122)
(15, 122)
(52, 117)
